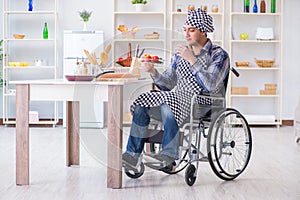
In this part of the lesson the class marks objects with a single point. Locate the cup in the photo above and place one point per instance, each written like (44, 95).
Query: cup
(38, 62)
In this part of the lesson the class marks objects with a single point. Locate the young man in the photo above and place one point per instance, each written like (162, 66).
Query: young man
(199, 66)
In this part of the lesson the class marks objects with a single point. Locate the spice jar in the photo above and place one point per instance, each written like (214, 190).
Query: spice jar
(204, 7)
(191, 7)
(178, 8)
(215, 8)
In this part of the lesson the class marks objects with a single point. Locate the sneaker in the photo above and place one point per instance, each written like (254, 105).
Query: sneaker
(165, 158)
(127, 158)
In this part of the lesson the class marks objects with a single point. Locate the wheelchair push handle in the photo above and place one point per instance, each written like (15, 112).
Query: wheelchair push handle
(235, 72)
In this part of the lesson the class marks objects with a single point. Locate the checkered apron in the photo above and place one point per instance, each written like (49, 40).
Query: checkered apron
(179, 98)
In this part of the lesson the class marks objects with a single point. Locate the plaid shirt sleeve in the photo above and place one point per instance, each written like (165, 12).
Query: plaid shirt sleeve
(168, 79)
(211, 68)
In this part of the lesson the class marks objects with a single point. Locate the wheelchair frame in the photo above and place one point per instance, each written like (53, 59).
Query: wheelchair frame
(229, 143)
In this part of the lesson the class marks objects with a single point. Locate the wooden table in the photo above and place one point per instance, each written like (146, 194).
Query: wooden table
(72, 93)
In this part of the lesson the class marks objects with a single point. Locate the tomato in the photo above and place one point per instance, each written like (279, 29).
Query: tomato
(155, 57)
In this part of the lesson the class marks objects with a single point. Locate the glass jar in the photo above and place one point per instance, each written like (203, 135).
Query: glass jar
(215, 8)
(191, 7)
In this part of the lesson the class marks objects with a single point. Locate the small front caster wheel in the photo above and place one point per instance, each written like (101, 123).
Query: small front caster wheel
(135, 172)
(190, 176)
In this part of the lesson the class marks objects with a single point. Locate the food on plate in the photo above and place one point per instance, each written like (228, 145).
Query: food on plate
(151, 58)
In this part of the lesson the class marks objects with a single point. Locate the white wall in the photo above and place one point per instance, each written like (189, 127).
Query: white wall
(102, 20)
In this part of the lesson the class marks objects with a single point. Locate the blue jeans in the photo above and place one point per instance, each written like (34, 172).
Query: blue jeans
(139, 126)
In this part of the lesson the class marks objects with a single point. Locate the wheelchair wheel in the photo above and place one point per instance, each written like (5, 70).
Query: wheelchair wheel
(134, 172)
(190, 176)
(229, 144)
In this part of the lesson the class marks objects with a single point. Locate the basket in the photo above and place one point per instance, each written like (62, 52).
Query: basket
(128, 35)
(125, 62)
(242, 64)
(151, 36)
(18, 36)
(264, 63)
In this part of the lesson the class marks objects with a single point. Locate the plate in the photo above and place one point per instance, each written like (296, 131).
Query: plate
(79, 77)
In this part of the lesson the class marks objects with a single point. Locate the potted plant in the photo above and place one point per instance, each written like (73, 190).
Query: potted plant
(139, 4)
(85, 16)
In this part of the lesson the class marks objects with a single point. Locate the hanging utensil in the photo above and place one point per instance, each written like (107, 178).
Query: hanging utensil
(107, 49)
(136, 50)
(141, 53)
(88, 55)
(129, 50)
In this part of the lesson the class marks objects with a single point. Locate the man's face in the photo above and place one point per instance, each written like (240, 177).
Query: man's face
(193, 35)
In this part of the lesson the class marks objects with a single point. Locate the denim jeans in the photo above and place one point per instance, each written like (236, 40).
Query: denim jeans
(139, 126)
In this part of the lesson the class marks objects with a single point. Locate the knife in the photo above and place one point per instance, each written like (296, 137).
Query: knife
(137, 50)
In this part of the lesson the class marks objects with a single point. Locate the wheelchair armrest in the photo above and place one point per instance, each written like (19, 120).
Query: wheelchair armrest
(210, 96)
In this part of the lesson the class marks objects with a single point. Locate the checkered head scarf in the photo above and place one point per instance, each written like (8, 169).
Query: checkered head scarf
(200, 19)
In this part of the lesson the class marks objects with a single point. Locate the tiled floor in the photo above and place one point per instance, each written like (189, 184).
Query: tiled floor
(273, 172)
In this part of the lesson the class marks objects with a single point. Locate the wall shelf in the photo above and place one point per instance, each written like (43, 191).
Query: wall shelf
(29, 49)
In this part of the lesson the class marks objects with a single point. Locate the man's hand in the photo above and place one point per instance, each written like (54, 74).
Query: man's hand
(186, 53)
(149, 67)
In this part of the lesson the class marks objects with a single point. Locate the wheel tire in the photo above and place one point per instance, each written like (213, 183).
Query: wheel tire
(219, 159)
(135, 173)
(190, 177)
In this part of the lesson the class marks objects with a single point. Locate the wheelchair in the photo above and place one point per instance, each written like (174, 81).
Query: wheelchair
(225, 132)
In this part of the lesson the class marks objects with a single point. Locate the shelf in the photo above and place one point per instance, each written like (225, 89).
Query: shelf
(30, 12)
(255, 14)
(255, 41)
(139, 13)
(33, 47)
(139, 40)
(30, 67)
(183, 40)
(256, 68)
(11, 122)
(31, 40)
(254, 96)
(213, 14)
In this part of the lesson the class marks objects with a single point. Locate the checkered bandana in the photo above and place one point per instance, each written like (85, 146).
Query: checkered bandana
(200, 19)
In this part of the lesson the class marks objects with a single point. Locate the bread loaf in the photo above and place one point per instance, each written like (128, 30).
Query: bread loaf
(117, 75)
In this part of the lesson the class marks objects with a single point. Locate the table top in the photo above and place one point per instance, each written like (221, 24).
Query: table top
(118, 81)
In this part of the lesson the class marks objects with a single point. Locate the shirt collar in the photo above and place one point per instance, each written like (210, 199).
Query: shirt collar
(206, 47)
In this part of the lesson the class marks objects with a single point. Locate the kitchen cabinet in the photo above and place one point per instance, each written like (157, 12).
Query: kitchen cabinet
(31, 57)
(259, 106)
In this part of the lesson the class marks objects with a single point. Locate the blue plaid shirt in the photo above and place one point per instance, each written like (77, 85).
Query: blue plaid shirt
(211, 68)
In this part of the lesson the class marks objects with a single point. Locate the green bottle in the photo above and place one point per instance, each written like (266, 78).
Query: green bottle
(45, 31)
(273, 6)
(246, 5)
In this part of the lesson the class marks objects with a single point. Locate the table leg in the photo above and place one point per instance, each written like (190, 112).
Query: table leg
(72, 133)
(22, 135)
(114, 133)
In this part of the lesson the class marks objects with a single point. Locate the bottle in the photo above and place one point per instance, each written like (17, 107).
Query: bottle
(255, 9)
(30, 5)
(273, 6)
(45, 31)
(246, 5)
(262, 6)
